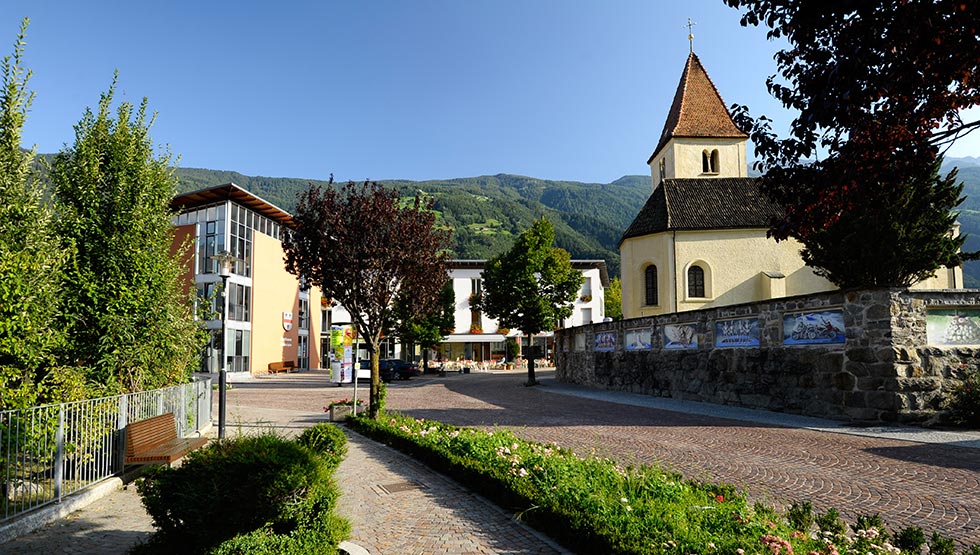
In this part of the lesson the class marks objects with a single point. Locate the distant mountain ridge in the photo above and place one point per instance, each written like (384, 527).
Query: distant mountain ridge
(488, 212)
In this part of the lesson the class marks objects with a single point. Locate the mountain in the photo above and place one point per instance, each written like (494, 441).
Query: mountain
(969, 218)
(487, 213)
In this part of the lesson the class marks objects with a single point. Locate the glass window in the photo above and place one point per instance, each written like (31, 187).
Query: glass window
(304, 314)
(650, 286)
(695, 281)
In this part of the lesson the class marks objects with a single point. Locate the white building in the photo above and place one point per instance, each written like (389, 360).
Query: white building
(477, 337)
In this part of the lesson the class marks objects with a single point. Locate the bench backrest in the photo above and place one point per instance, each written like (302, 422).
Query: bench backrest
(145, 434)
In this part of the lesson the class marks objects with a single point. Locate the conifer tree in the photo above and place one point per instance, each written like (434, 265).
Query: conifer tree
(132, 325)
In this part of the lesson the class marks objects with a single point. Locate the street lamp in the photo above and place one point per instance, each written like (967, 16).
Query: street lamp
(225, 262)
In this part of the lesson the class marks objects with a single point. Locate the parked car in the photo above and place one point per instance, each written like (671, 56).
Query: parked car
(402, 370)
(391, 369)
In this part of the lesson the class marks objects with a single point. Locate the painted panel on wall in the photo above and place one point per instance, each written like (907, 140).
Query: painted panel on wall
(959, 326)
(743, 332)
(681, 336)
(639, 339)
(813, 328)
(605, 341)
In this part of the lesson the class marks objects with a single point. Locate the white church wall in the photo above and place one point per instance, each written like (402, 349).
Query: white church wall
(687, 158)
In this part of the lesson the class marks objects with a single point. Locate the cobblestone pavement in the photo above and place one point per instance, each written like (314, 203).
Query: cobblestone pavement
(934, 486)
(398, 507)
(110, 525)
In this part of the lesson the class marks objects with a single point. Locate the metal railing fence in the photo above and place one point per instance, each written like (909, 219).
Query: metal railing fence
(51, 451)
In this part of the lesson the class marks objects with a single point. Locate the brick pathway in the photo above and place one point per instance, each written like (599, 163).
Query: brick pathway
(936, 487)
(400, 507)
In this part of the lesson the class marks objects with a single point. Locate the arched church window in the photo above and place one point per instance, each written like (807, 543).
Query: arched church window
(663, 169)
(695, 281)
(650, 283)
(709, 161)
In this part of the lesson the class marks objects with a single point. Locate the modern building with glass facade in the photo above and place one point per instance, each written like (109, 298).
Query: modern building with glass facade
(268, 309)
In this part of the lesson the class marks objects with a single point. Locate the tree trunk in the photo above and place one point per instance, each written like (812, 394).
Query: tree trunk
(375, 405)
(530, 362)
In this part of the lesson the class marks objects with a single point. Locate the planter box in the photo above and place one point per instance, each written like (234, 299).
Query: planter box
(340, 413)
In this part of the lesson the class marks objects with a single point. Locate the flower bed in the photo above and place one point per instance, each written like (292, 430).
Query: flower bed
(594, 505)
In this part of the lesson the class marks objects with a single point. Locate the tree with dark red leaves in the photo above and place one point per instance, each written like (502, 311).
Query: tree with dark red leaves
(369, 249)
(880, 88)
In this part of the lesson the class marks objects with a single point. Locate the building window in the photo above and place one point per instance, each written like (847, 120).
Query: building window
(587, 289)
(709, 161)
(242, 220)
(239, 300)
(695, 282)
(586, 316)
(210, 241)
(304, 314)
(303, 352)
(650, 286)
(663, 169)
(239, 356)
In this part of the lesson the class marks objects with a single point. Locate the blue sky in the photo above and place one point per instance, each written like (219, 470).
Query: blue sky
(422, 89)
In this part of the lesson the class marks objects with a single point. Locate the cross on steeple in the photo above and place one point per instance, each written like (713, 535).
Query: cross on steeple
(690, 32)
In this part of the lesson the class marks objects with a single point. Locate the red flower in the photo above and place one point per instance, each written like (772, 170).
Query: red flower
(720, 499)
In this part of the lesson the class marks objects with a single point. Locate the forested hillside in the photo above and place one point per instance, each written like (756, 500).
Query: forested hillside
(486, 213)
(969, 174)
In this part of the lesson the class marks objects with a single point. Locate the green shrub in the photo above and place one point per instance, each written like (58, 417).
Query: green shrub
(939, 545)
(327, 440)
(974, 550)
(234, 487)
(964, 403)
(321, 537)
(830, 522)
(910, 539)
(866, 522)
(800, 516)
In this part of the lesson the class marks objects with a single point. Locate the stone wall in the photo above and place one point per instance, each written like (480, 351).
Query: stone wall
(883, 371)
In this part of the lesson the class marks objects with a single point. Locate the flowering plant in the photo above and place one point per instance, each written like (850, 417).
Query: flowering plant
(342, 403)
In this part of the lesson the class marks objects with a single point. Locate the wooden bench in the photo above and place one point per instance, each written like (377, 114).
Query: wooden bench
(284, 366)
(155, 440)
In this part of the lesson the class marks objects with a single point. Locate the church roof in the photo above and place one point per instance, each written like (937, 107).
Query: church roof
(698, 110)
(704, 204)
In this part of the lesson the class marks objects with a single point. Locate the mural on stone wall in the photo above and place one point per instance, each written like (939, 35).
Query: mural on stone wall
(959, 326)
(605, 341)
(813, 328)
(680, 336)
(639, 339)
(743, 332)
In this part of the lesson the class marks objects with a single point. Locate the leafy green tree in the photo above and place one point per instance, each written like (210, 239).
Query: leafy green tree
(365, 248)
(614, 299)
(132, 325)
(880, 88)
(532, 286)
(426, 329)
(31, 259)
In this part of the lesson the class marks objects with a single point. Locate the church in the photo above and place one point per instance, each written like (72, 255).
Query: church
(700, 240)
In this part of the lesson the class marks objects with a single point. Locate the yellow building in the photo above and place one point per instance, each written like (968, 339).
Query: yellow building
(700, 240)
(270, 315)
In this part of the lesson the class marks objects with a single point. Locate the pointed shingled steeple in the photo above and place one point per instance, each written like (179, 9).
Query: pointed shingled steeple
(698, 110)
